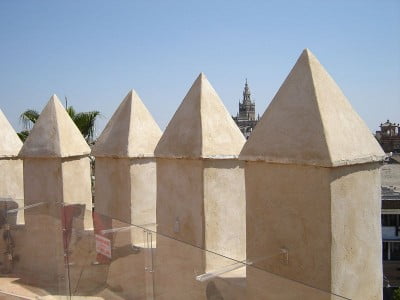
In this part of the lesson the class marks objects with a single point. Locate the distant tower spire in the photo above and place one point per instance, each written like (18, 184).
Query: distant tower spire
(246, 118)
(246, 94)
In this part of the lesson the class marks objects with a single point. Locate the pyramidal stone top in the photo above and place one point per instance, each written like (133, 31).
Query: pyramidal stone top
(201, 127)
(54, 134)
(311, 122)
(131, 131)
(10, 144)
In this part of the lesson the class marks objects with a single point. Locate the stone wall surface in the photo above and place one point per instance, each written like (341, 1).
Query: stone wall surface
(126, 189)
(180, 210)
(200, 190)
(57, 183)
(144, 191)
(313, 188)
(113, 188)
(223, 184)
(288, 207)
(125, 164)
(356, 253)
(125, 194)
(11, 187)
(11, 190)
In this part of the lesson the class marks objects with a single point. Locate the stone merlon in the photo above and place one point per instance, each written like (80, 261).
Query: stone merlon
(201, 127)
(54, 134)
(10, 144)
(310, 122)
(131, 131)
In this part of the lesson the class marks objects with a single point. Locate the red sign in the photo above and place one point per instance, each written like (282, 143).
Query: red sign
(103, 246)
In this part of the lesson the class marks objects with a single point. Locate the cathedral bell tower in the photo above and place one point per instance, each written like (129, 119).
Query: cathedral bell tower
(246, 118)
(247, 108)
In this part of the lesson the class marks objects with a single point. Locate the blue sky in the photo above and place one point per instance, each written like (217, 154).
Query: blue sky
(94, 52)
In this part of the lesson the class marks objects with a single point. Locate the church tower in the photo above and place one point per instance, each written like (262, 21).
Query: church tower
(246, 118)
(246, 107)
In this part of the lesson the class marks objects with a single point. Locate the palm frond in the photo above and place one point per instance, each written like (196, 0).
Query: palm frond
(23, 135)
(86, 122)
(71, 111)
(29, 118)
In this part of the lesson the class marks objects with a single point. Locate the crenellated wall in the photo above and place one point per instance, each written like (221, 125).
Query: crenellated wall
(299, 201)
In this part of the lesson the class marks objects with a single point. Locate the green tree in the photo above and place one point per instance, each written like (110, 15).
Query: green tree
(85, 121)
(396, 294)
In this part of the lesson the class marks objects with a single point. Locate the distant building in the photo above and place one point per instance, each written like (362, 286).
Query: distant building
(391, 223)
(389, 137)
(246, 118)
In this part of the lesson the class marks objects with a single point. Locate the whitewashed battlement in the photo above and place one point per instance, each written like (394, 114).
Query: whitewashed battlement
(306, 184)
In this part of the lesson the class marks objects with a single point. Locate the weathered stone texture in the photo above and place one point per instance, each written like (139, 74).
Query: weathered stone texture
(200, 191)
(57, 174)
(313, 188)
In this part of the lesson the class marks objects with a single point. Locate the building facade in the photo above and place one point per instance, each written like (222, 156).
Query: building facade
(389, 137)
(390, 173)
(246, 118)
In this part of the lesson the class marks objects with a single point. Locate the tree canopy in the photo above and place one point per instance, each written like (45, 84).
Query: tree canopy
(85, 121)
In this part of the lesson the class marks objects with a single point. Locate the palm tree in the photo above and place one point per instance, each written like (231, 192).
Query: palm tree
(85, 121)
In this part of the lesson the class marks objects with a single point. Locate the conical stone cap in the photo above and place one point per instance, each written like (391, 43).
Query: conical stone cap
(131, 131)
(10, 144)
(311, 122)
(54, 134)
(201, 127)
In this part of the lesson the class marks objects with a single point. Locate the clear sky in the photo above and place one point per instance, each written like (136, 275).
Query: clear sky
(94, 52)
